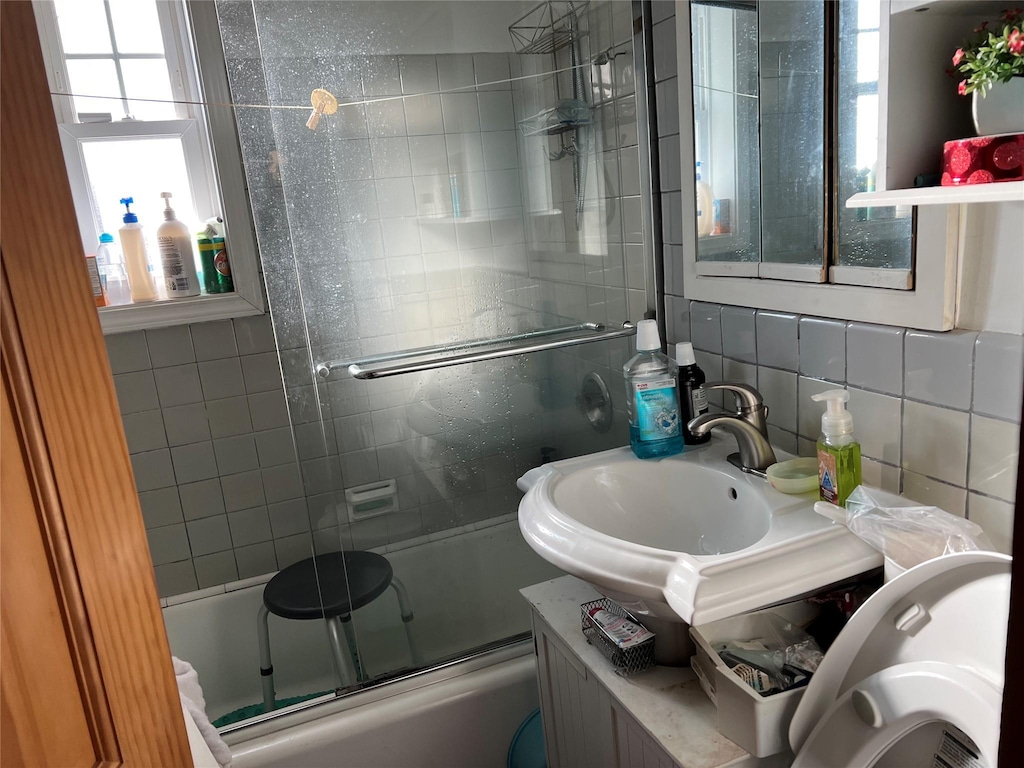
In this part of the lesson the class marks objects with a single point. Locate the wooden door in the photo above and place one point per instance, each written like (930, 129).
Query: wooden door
(85, 668)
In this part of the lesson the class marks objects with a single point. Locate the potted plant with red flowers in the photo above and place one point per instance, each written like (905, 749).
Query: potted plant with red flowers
(991, 65)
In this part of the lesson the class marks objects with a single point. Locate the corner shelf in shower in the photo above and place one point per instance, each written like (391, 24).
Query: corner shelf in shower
(161, 314)
(555, 120)
(548, 27)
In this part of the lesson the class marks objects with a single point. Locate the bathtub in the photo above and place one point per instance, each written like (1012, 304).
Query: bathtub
(463, 585)
(460, 716)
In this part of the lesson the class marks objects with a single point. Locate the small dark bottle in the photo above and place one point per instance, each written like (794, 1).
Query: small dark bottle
(693, 400)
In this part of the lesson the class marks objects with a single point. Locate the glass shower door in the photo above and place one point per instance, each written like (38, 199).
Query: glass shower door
(447, 198)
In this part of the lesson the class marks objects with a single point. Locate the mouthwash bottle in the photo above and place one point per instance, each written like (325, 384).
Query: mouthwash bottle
(652, 401)
(838, 449)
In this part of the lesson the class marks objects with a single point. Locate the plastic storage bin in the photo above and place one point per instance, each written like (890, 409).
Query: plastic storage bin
(759, 724)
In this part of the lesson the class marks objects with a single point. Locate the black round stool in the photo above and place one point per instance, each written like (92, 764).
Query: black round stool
(329, 587)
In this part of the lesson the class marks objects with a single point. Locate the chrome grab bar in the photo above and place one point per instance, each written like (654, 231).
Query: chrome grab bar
(439, 357)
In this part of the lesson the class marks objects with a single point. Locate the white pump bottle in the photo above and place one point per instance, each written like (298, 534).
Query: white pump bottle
(176, 257)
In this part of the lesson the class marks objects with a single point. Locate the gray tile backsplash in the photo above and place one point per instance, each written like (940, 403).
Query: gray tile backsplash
(998, 373)
(874, 357)
(778, 340)
(939, 367)
(823, 348)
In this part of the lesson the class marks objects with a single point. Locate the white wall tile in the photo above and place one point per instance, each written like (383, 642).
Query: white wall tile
(221, 378)
(994, 455)
(495, 111)
(385, 118)
(214, 340)
(160, 507)
(256, 559)
(168, 544)
(186, 424)
(254, 334)
(152, 470)
(236, 454)
(261, 373)
(935, 442)
(395, 198)
(419, 74)
(459, 112)
(215, 569)
(779, 390)
(249, 526)
(996, 519)
(136, 392)
(401, 237)
(879, 475)
(428, 155)
(268, 411)
(390, 159)
(492, 70)
(175, 578)
(282, 482)
(423, 115)
(193, 462)
(210, 534)
(275, 447)
(455, 71)
(128, 352)
(230, 416)
(170, 346)
(201, 499)
(876, 422)
(144, 431)
(242, 491)
(934, 493)
(178, 385)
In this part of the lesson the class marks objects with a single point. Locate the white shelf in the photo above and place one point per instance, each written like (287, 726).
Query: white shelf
(993, 8)
(999, 192)
(159, 314)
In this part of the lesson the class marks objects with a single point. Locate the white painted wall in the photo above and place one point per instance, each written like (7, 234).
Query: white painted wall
(993, 269)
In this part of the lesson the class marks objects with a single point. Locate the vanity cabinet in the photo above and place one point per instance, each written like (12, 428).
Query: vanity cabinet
(593, 718)
(583, 725)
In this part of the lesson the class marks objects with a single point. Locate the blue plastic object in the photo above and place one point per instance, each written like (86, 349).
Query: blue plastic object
(527, 748)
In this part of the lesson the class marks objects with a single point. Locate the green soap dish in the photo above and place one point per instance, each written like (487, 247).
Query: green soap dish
(794, 476)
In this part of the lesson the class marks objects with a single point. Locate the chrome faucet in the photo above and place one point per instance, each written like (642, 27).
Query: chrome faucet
(748, 425)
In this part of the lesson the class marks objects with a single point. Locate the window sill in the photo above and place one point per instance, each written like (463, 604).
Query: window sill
(160, 314)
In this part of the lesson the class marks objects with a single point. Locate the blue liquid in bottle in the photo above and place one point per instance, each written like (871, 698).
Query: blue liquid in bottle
(652, 398)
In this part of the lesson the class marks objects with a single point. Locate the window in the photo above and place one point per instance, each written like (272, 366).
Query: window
(128, 99)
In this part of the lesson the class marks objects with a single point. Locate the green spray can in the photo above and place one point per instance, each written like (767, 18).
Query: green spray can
(216, 269)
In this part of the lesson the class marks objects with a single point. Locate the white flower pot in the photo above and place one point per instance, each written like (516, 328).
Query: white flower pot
(1001, 110)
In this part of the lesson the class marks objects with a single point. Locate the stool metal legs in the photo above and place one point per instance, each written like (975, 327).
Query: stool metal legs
(338, 633)
(406, 609)
(344, 651)
(266, 666)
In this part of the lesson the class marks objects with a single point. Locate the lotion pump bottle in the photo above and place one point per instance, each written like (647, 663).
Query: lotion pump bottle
(838, 449)
(179, 263)
(652, 402)
(133, 246)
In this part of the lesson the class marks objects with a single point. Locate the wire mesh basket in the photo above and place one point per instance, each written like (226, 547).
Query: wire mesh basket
(626, 661)
(549, 26)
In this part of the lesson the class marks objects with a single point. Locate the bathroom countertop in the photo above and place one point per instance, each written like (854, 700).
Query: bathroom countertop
(667, 701)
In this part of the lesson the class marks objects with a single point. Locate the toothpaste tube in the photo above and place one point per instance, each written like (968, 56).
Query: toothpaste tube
(622, 631)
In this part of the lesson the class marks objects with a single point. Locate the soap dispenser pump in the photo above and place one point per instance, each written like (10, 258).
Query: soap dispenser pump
(839, 469)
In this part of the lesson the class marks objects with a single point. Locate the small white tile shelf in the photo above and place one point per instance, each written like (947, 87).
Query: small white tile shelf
(159, 314)
(998, 192)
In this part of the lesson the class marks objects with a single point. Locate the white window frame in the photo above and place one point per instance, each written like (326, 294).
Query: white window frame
(929, 306)
(210, 143)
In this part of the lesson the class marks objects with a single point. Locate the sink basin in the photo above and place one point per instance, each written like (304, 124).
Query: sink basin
(692, 508)
(688, 538)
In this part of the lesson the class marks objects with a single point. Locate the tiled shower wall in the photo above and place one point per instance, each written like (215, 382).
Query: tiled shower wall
(204, 414)
(937, 414)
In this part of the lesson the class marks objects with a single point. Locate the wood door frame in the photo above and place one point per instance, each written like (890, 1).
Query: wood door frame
(69, 428)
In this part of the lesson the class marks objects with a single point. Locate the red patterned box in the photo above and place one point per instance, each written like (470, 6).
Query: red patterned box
(983, 160)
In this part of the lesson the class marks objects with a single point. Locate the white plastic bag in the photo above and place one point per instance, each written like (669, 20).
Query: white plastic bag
(905, 532)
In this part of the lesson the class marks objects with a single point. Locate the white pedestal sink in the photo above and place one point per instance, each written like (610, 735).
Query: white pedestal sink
(688, 538)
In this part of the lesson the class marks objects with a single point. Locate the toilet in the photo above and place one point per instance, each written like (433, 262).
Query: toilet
(917, 672)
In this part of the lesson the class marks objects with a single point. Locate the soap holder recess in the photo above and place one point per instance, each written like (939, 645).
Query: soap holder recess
(627, 661)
